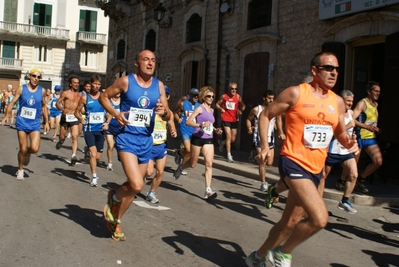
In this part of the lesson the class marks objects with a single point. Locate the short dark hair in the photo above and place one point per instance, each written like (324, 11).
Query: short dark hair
(86, 83)
(268, 92)
(95, 77)
(316, 58)
(371, 84)
(73, 77)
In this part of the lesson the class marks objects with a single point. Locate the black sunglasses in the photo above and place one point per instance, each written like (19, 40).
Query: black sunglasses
(210, 96)
(36, 76)
(328, 68)
(233, 88)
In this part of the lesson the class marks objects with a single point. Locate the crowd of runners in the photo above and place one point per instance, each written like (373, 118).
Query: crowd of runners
(133, 116)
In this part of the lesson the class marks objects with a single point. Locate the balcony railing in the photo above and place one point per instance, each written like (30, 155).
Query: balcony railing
(33, 30)
(91, 37)
(10, 63)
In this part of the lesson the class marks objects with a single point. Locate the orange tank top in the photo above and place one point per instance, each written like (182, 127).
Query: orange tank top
(310, 126)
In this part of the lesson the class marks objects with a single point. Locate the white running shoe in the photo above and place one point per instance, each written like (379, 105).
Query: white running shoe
(209, 194)
(264, 186)
(151, 197)
(230, 159)
(109, 167)
(346, 206)
(94, 182)
(20, 175)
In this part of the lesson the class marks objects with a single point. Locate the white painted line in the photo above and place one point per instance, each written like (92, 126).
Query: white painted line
(144, 204)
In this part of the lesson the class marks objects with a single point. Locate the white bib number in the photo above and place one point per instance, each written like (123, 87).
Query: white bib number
(230, 105)
(28, 113)
(208, 129)
(159, 135)
(54, 104)
(70, 118)
(317, 136)
(140, 117)
(96, 117)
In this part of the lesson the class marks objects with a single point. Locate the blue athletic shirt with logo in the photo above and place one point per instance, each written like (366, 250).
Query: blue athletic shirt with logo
(54, 111)
(95, 115)
(188, 109)
(30, 110)
(139, 103)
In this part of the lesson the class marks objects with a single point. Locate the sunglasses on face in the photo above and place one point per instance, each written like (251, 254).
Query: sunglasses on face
(328, 68)
(210, 96)
(36, 76)
(233, 88)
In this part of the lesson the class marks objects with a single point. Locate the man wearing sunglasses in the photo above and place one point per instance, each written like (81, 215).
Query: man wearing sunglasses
(231, 106)
(32, 106)
(314, 114)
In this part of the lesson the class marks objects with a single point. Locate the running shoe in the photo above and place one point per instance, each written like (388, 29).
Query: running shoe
(27, 159)
(340, 185)
(59, 144)
(346, 206)
(279, 259)
(74, 159)
(360, 187)
(270, 199)
(230, 159)
(111, 208)
(94, 182)
(177, 173)
(69, 136)
(252, 261)
(117, 234)
(45, 133)
(221, 143)
(183, 172)
(54, 140)
(151, 197)
(264, 186)
(109, 167)
(20, 175)
(210, 194)
(178, 156)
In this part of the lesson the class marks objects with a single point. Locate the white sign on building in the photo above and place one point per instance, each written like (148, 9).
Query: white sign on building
(335, 8)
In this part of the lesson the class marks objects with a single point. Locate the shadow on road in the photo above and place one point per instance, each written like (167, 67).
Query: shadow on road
(92, 220)
(219, 252)
(11, 170)
(383, 259)
(76, 175)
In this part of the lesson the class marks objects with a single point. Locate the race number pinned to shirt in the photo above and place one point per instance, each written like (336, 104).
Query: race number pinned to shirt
(70, 118)
(140, 117)
(28, 113)
(230, 105)
(208, 129)
(54, 105)
(317, 136)
(96, 117)
(159, 135)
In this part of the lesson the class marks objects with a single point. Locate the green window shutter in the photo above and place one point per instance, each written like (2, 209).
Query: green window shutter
(36, 14)
(47, 16)
(8, 49)
(82, 20)
(93, 21)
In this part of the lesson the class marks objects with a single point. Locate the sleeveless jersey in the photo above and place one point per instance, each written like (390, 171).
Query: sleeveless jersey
(140, 102)
(230, 105)
(53, 107)
(159, 135)
(270, 133)
(30, 109)
(206, 132)
(113, 121)
(368, 117)
(311, 122)
(335, 146)
(95, 115)
(188, 109)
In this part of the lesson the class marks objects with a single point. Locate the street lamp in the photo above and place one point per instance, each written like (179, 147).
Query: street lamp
(100, 3)
(159, 13)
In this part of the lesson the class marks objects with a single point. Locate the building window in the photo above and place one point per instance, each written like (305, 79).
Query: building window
(88, 21)
(193, 29)
(10, 10)
(42, 14)
(150, 39)
(43, 53)
(120, 52)
(259, 14)
(88, 59)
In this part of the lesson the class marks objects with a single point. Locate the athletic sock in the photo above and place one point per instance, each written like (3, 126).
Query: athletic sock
(345, 199)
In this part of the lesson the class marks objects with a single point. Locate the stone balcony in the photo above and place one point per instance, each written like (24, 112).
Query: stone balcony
(33, 31)
(10, 63)
(91, 38)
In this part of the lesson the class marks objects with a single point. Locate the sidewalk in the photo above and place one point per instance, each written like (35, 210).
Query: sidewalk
(380, 194)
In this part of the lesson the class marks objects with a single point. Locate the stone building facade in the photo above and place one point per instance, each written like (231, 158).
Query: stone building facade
(260, 44)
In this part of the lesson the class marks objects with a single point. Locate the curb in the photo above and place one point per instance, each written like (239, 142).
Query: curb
(273, 177)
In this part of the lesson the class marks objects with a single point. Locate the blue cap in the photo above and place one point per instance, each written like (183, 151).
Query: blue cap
(57, 88)
(167, 90)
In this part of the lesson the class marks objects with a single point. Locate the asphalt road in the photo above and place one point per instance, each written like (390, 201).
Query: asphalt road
(54, 218)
